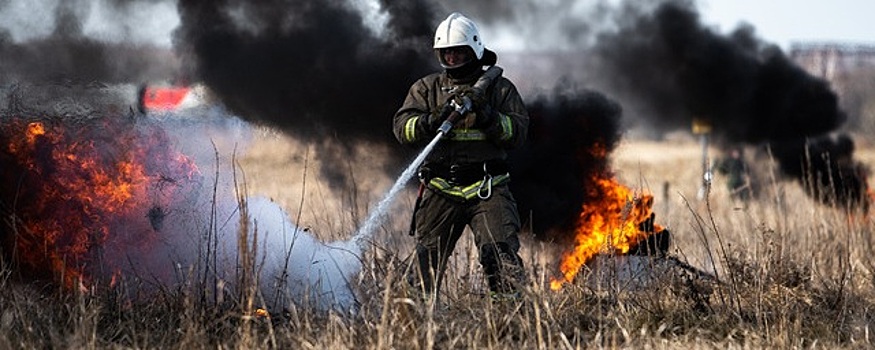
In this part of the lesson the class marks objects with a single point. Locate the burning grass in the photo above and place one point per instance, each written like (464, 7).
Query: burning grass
(83, 190)
(784, 276)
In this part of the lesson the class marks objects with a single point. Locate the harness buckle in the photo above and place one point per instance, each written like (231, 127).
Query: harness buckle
(454, 174)
(485, 184)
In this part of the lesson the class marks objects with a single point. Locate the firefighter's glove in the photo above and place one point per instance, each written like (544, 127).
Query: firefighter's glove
(437, 117)
(478, 98)
(484, 115)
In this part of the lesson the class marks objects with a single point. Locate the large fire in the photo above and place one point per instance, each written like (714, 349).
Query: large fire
(82, 187)
(610, 223)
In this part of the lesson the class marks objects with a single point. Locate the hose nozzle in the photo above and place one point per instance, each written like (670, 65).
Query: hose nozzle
(459, 109)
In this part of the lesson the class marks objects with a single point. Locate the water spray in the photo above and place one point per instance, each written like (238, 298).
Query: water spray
(327, 268)
(459, 109)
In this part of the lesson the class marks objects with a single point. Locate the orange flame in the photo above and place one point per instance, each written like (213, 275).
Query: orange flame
(609, 224)
(82, 188)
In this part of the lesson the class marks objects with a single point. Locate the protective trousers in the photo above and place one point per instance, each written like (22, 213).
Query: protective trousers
(495, 222)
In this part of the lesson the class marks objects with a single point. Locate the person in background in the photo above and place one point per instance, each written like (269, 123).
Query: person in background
(738, 178)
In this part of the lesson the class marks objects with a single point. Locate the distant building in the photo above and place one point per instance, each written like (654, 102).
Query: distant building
(831, 60)
(850, 71)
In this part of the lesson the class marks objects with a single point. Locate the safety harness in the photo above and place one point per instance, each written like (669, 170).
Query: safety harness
(465, 181)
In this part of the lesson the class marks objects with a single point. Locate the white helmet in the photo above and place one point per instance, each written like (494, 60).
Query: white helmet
(458, 30)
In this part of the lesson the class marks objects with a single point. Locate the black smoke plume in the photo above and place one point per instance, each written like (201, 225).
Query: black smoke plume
(826, 169)
(674, 69)
(572, 133)
(749, 91)
(311, 68)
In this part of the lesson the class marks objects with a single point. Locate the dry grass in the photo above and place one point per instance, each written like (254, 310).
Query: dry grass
(793, 274)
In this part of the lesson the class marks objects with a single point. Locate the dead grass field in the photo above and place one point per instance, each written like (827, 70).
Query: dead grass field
(783, 234)
(792, 274)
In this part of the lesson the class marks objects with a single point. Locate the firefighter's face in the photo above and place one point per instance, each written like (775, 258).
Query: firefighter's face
(456, 56)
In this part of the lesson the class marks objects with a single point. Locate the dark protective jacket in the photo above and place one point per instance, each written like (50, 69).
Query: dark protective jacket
(463, 146)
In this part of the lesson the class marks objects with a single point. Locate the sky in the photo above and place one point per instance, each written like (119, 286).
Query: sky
(784, 22)
(144, 21)
(781, 22)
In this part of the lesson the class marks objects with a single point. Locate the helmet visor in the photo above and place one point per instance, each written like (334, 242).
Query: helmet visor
(455, 56)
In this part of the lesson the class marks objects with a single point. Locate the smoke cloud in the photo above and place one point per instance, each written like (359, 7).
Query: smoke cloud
(672, 69)
(670, 63)
(571, 134)
(312, 68)
(128, 207)
(295, 267)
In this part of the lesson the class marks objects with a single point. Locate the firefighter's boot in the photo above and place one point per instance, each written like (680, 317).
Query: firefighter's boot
(503, 269)
(422, 279)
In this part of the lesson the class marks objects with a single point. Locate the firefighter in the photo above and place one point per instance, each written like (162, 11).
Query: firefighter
(466, 175)
(738, 174)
